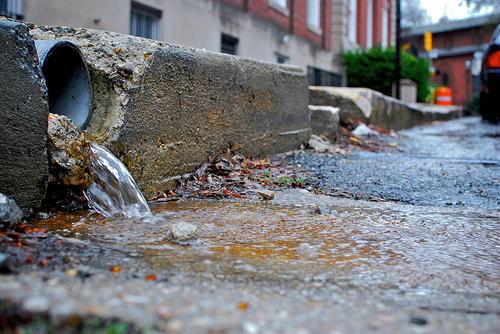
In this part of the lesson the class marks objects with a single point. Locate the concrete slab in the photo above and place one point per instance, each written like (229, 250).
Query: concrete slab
(325, 121)
(373, 107)
(23, 119)
(162, 108)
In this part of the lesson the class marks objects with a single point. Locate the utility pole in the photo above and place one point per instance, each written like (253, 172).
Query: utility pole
(397, 67)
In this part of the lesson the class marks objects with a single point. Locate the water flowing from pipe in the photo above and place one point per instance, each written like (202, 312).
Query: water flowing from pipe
(114, 192)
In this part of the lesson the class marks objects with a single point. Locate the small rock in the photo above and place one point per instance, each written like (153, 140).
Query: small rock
(4, 266)
(418, 321)
(267, 194)
(9, 211)
(321, 210)
(183, 232)
(43, 215)
(69, 153)
(37, 304)
(321, 144)
(363, 131)
(128, 69)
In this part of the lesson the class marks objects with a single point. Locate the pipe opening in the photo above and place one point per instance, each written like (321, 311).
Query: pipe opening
(67, 79)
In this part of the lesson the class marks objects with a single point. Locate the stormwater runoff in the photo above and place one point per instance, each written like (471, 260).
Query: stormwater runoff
(353, 266)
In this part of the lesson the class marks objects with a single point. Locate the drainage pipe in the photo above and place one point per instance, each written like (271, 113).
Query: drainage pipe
(67, 78)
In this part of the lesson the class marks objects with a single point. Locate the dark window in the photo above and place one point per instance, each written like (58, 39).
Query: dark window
(11, 8)
(145, 21)
(319, 77)
(280, 59)
(445, 79)
(450, 43)
(228, 44)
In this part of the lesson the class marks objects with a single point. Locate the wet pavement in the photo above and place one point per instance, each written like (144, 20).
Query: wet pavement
(453, 164)
(304, 262)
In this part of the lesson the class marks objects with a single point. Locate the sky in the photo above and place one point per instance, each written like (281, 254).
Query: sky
(437, 8)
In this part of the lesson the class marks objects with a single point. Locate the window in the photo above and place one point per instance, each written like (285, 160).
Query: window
(369, 24)
(445, 79)
(385, 26)
(145, 21)
(318, 77)
(228, 44)
(449, 43)
(279, 3)
(352, 21)
(280, 59)
(11, 8)
(313, 14)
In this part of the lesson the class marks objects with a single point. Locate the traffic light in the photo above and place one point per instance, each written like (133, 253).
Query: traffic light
(428, 41)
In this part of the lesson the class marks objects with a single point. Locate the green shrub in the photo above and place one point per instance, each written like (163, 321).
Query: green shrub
(374, 69)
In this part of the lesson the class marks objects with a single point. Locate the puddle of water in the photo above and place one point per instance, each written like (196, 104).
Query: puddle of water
(397, 248)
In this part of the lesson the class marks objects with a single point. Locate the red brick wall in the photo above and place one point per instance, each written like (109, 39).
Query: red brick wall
(459, 79)
(296, 20)
(361, 28)
(377, 22)
(362, 14)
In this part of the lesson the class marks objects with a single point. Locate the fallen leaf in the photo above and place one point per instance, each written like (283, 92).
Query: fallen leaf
(115, 269)
(71, 272)
(150, 277)
(243, 306)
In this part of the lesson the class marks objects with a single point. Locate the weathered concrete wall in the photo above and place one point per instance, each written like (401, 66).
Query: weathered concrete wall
(373, 107)
(23, 119)
(163, 108)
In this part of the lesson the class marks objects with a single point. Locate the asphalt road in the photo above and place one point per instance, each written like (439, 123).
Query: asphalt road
(454, 164)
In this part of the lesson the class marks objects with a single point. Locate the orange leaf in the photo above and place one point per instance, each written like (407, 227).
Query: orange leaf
(243, 306)
(43, 262)
(150, 277)
(356, 140)
(29, 260)
(116, 269)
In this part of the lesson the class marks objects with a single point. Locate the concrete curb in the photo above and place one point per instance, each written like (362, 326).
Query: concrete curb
(23, 116)
(162, 109)
(373, 107)
(325, 121)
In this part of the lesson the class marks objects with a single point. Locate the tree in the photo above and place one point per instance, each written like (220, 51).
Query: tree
(477, 5)
(412, 14)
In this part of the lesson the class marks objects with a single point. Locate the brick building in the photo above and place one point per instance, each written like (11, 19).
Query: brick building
(311, 34)
(454, 45)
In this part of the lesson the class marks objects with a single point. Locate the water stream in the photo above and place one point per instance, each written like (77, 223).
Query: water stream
(114, 192)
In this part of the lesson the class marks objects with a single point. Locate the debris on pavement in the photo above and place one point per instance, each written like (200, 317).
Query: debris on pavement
(232, 175)
(364, 131)
(267, 194)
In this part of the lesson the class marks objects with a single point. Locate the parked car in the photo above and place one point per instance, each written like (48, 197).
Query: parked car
(489, 99)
